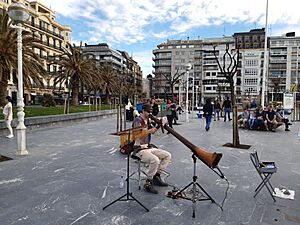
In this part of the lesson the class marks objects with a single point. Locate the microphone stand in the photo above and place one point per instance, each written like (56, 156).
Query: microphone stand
(195, 185)
(128, 195)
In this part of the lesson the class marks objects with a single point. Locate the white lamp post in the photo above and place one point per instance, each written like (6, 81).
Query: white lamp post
(193, 97)
(196, 96)
(263, 90)
(19, 14)
(188, 67)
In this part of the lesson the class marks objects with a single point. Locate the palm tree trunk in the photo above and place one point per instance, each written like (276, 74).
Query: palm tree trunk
(75, 92)
(3, 92)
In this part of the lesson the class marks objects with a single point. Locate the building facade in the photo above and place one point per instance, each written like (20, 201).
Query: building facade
(54, 37)
(125, 66)
(284, 64)
(282, 59)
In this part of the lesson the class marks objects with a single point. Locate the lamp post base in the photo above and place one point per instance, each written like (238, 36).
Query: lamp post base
(21, 137)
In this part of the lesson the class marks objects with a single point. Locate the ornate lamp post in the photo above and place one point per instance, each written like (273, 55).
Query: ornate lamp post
(19, 14)
(188, 67)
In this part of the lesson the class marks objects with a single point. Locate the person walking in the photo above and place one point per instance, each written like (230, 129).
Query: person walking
(207, 113)
(8, 115)
(217, 108)
(170, 113)
(227, 108)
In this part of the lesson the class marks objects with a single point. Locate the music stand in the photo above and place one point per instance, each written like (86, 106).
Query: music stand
(195, 185)
(128, 196)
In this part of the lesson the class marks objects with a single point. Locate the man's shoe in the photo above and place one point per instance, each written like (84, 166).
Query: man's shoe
(287, 129)
(149, 187)
(10, 136)
(272, 130)
(290, 124)
(158, 181)
(230, 119)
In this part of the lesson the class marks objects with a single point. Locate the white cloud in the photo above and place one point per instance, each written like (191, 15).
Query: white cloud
(127, 20)
(143, 59)
(136, 21)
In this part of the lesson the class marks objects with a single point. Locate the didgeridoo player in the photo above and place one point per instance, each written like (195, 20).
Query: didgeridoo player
(157, 159)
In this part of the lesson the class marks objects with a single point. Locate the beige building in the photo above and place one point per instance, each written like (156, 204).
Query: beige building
(54, 36)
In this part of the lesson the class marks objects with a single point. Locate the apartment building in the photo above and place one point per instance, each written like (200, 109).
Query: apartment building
(214, 83)
(284, 63)
(170, 60)
(250, 72)
(171, 57)
(54, 36)
(125, 66)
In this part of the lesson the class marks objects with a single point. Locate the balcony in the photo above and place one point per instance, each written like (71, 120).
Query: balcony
(210, 62)
(277, 60)
(278, 52)
(44, 29)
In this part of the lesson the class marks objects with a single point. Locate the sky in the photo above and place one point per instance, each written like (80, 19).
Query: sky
(138, 26)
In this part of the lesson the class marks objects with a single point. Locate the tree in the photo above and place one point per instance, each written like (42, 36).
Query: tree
(109, 79)
(33, 66)
(229, 70)
(76, 68)
(172, 81)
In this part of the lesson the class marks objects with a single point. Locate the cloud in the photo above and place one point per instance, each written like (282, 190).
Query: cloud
(142, 58)
(127, 21)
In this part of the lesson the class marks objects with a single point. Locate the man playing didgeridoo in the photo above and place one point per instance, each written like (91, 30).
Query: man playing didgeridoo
(157, 159)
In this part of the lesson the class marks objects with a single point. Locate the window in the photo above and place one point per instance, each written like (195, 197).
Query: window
(251, 62)
(207, 74)
(208, 88)
(43, 25)
(251, 72)
(250, 81)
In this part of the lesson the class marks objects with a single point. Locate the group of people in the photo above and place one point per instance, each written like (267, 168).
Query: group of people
(210, 109)
(259, 119)
(253, 117)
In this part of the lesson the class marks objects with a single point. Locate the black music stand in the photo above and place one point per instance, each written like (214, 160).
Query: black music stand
(195, 185)
(128, 195)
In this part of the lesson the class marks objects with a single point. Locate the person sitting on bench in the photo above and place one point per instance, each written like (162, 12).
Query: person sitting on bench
(271, 122)
(281, 118)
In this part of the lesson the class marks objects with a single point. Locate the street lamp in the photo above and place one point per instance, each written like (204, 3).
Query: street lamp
(19, 14)
(196, 96)
(188, 67)
(263, 90)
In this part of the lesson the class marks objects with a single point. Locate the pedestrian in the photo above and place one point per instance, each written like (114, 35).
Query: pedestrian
(127, 107)
(8, 115)
(217, 108)
(227, 108)
(154, 107)
(208, 111)
(170, 113)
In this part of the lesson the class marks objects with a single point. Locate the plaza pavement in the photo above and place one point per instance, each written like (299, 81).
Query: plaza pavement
(73, 171)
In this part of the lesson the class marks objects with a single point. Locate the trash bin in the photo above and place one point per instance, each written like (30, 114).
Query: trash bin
(139, 107)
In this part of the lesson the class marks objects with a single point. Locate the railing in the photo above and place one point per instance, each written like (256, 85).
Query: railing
(44, 29)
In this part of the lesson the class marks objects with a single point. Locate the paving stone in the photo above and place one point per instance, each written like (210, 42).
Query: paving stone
(73, 171)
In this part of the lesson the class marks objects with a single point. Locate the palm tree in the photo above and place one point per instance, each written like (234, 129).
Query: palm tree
(33, 66)
(110, 84)
(76, 68)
